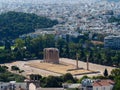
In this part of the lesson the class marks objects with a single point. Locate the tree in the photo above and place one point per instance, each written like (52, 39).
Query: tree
(105, 73)
(35, 77)
(115, 72)
(13, 24)
(84, 77)
(5, 67)
(60, 45)
(15, 68)
(67, 46)
(2, 69)
(21, 71)
(68, 77)
(19, 43)
(51, 81)
(117, 84)
(7, 45)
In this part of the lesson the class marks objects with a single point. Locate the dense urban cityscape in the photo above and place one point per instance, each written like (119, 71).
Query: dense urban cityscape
(91, 17)
(59, 45)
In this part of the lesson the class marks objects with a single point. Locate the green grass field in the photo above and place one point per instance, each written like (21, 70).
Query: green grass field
(2, 47)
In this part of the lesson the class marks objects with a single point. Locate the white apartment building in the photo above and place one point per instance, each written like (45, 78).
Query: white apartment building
(88, 84)
(12, 85)
(112, 42)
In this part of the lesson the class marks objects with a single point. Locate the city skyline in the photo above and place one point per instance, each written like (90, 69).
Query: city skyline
(52, 1)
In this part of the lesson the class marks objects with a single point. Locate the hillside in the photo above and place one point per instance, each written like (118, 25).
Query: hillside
(13, 24)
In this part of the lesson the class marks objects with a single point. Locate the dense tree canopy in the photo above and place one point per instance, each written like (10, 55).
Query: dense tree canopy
(32, 48)
(6, 76)
(13, 24)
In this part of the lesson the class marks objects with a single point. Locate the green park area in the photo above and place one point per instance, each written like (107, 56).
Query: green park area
(2, 47)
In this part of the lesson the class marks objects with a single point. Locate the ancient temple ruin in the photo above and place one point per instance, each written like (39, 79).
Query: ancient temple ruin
(51, 55)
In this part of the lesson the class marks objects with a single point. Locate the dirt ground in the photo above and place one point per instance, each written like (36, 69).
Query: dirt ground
(61, 68)
(93, 67)
(23, 65)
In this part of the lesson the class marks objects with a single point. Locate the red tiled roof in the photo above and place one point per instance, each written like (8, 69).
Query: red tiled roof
(103, 83)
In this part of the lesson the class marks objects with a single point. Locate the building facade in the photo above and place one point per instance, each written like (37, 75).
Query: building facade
(12, 85)
(112, 42)
(89, 84)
